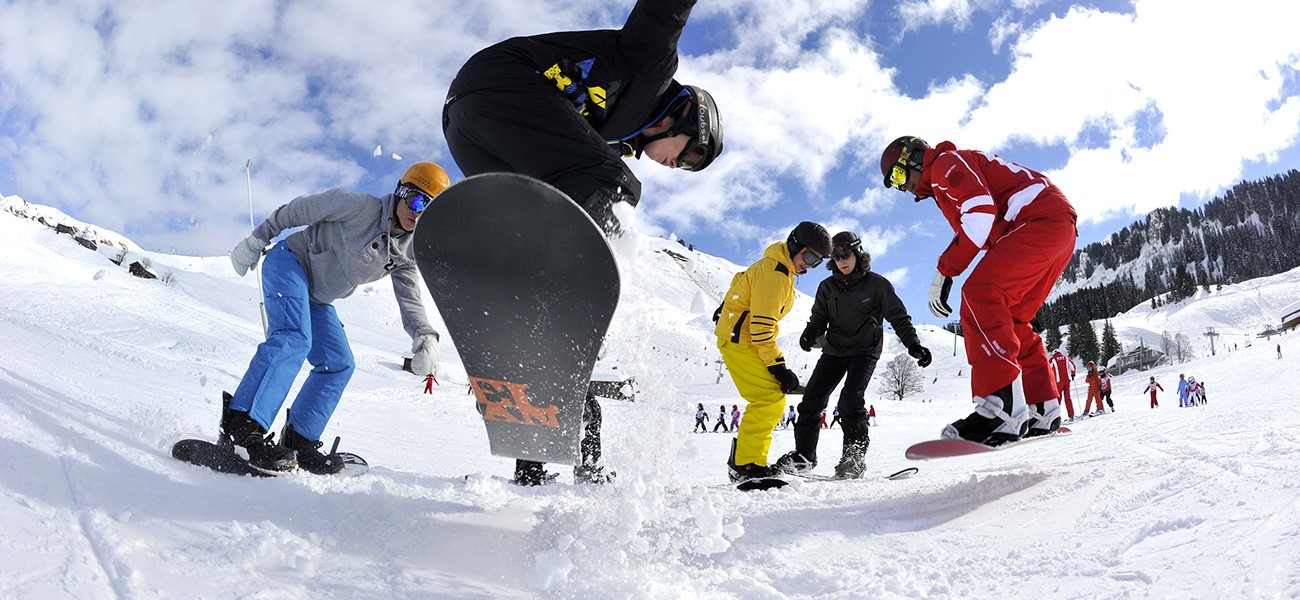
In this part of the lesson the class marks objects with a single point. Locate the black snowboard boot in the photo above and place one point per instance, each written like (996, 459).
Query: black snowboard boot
(529, 473)
(592, 475)
(794, 463)
(264, 454)
(310, 458)
(1044, 418)
(999, 418)
(746, 471)
(857, 438)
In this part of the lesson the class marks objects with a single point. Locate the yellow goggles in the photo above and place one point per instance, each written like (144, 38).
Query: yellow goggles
(897, 176)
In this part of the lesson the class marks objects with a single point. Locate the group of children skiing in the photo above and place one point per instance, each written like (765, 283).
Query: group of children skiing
(701, 415)
(1190, 391)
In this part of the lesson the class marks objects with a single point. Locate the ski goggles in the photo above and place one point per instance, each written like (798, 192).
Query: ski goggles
(415, 199)
(897, 176)
(842, 251)
(419, 201)
(693, 155)
(810, 258)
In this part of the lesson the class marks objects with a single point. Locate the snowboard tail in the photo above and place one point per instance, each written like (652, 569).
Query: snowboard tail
(526, 285)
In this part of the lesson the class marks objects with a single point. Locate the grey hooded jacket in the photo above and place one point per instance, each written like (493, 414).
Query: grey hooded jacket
(347, 243)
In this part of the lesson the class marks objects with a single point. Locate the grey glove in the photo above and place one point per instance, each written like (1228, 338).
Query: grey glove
(939, 290)
(246, 254)
(424, 359)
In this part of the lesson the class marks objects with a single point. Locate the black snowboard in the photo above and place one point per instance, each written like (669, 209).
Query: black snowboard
(222, 458)
(526, 284)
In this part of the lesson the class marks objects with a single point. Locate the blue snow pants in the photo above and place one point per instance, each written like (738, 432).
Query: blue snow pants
(297, 330)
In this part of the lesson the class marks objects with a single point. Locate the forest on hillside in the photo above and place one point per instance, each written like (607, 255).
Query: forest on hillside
(1252, 231)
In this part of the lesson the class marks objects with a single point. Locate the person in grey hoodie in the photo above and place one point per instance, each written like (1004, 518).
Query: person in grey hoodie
(349, 239)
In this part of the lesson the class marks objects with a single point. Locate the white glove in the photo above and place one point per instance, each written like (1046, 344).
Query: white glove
(424, 359)
(246, 254)
(939, 290)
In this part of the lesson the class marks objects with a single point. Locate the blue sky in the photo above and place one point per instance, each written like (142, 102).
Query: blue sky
(140, 116)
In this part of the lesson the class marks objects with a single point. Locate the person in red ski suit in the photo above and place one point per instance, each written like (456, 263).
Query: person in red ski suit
(1026, 228)
(1094, 389)
(1064, 370)
(1152, 387)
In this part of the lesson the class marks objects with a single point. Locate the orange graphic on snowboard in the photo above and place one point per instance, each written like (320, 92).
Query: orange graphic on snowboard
(508, 403)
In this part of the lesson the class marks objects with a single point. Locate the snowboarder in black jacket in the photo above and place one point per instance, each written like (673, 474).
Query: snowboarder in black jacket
(566, 108)
(846, 323)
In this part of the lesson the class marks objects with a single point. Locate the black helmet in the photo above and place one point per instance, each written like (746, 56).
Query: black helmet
(809, 235)
(903, 153)
(707, 130)
(845, 242)
(704, 125)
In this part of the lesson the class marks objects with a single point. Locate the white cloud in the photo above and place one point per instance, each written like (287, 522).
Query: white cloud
(111, 108)
(1214, 77)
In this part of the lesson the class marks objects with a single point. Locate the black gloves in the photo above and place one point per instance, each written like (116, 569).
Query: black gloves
(921, 354)
(807, 340)
(788, 380)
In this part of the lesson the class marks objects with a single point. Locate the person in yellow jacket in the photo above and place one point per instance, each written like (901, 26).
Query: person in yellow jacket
(747, 328)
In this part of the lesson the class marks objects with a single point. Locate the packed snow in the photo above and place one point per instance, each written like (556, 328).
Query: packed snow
(100, 372)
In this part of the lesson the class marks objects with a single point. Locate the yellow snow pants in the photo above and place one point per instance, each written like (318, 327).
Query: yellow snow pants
(766, 401)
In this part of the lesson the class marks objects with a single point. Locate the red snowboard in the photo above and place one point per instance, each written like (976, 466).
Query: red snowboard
(948, 448)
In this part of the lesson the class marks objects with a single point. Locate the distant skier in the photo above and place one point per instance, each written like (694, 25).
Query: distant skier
(1152, 387)
(349, 239)
(747, 330)
(1183, 388)
(1093, 378)
(1063, 370)
(700, 416)
(1106, 389)
(722, 420)
(1026, 228)
(1279, 351)
(871, 415)
(790, 417)
(735, 417)
(429, 380)
(1195, 392)
(835, 417)
(566, 108)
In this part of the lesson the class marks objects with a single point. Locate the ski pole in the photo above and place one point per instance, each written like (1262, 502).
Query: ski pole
(261, 295)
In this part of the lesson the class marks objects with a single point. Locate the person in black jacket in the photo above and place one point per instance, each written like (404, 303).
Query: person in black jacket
(846, 323)
(566, 108)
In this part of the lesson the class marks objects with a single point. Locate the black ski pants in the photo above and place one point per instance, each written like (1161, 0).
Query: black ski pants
(533, 130)
(856, 373)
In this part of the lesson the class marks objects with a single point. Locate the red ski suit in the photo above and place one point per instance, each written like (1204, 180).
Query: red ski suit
(1027, 228)
(1064, 370)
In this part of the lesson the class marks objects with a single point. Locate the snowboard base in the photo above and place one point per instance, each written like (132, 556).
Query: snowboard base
(223, 459)
(761, 483)
(949, 448)
(903, 474)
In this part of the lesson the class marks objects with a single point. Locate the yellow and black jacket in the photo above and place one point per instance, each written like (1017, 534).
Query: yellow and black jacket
(758, 298)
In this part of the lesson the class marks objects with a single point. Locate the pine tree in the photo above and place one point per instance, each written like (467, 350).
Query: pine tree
(1109, 343)
(1052, 338)
(1083, 343)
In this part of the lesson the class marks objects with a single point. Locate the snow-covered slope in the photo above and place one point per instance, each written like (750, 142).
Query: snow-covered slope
(101, 371)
